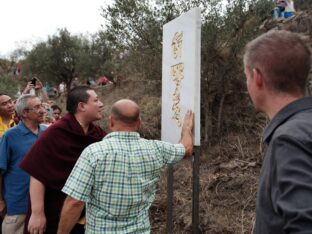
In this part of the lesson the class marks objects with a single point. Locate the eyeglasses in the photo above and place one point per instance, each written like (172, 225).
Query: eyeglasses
(35, 108)
(56, 113)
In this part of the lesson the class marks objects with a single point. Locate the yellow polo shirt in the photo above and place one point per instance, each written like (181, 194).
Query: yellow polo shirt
(4, 127)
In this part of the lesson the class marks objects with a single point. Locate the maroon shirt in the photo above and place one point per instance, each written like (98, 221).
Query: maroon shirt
(51, 159)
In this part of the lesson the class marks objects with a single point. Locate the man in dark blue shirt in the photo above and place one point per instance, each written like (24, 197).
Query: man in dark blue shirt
(14, 145)
(277, 65)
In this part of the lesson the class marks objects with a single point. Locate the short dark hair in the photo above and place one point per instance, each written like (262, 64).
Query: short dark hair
(127, 119)
(76, 95)
(283, 58)
(56, 107)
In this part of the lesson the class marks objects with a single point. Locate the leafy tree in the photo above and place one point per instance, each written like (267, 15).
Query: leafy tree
(226, 27)
(64, 56)
(132, 27)
(9, 85)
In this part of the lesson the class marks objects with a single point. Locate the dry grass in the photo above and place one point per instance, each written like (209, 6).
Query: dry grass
(229, 171)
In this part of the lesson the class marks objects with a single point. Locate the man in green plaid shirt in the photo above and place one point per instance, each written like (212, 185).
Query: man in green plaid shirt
(117, 177)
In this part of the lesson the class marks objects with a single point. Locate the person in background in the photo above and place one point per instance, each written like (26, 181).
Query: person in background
(289, 9)
(90, 82)
(62, 88)
(47, 87)
(6, 113)
(48, 115)
(57, 111)
(7, 120)
(284, 9)
(75, 83)
(32, 86)
(276, 79)
(51, 159)
(14, 145)
(117, 177)
(102, 81)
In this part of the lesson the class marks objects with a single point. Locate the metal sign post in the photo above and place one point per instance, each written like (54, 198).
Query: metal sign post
(195, 200)
(170, 200)
(181, 92)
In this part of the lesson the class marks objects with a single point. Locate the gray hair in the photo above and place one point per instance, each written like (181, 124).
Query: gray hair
(21, 103)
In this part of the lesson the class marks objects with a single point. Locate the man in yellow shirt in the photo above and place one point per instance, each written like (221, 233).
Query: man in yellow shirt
(6, 113)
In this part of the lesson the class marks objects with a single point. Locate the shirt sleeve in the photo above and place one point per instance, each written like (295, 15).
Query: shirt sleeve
(81, 178)
(292, 183)
(170, 153)
(4, 153)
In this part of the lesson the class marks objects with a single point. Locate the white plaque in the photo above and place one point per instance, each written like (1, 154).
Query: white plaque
(181, 75)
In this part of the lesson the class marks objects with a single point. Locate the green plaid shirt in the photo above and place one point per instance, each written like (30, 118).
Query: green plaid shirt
(117, 179)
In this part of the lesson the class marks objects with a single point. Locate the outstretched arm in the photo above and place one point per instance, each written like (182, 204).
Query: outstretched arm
(43, 93)
(70, 214)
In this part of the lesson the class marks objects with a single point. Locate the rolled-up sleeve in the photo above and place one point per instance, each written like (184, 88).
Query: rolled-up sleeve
(170, 153)
(81, 179)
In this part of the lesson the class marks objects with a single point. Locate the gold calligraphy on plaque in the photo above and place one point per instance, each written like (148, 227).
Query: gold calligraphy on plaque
(176, 45)
(177, 75)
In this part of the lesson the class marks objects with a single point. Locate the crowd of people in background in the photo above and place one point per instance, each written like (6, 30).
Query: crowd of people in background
(36, 160)
(66, 175)
(284, 9)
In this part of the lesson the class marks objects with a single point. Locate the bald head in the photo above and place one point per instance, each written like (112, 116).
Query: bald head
(126, 111)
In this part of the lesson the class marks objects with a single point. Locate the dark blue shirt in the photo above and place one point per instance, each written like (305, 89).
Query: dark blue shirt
(14, 145)
(284, 201)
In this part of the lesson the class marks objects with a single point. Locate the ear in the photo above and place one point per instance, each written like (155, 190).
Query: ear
(139, 123)
(81, 107)
(111, 122)
(258, 77)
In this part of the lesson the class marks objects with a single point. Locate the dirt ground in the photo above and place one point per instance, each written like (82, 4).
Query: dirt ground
(229, 169)
(229, 164)
(228, 182)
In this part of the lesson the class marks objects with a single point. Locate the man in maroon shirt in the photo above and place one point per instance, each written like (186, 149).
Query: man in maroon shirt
(51, 159)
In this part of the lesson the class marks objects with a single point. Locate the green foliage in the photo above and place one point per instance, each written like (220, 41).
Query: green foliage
(64, 56)
(134, 30)
(134, 25)
(226, 27)
(9, 85)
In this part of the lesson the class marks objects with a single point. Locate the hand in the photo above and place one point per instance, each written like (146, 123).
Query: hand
(2, 208)
(37, 223)
(188, 121)
(39, 85)
(186, 134)
(28, 88)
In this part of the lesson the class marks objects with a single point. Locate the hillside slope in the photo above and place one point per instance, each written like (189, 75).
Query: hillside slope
(229, 166)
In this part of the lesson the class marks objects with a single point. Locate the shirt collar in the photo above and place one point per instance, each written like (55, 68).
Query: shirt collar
(125, 135)
(285, 113)
(26, 130)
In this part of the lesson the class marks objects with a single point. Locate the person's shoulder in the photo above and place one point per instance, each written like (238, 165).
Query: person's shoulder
(43, 127)
(12, 131)
(298, 126)
(158, 143)
(96, 146)
(51, 131)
